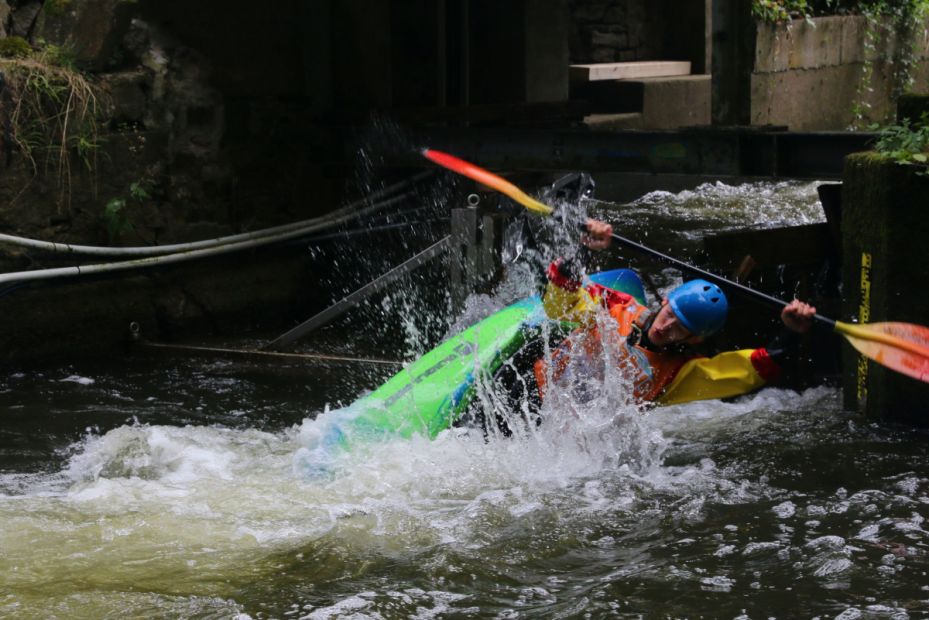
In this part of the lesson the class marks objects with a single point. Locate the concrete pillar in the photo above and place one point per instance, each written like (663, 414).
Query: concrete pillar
(884, 227)
(733, 59)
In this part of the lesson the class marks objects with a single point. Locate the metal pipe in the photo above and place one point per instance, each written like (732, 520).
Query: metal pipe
(154, 261)
(161, 250)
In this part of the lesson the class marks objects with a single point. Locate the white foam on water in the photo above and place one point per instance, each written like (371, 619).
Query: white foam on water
(78, 379)
(719, 206)
(194, 512)
(160, 507)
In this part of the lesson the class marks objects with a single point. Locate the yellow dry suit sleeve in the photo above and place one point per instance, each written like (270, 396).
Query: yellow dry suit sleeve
(721, 376)
(564, 305)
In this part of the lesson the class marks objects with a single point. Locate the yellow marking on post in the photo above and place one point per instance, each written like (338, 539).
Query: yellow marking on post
(864, 316)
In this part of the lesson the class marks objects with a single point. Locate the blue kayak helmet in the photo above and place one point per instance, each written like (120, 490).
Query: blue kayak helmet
(700, 306)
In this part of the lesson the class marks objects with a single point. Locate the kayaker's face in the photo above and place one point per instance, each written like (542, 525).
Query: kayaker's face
(667, 329)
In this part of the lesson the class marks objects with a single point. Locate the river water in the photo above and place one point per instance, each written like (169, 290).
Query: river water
(166, 488)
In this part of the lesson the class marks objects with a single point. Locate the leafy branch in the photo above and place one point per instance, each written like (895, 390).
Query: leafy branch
(907, 143)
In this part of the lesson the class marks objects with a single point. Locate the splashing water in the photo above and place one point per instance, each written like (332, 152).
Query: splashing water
(719, 207)
(190, 500)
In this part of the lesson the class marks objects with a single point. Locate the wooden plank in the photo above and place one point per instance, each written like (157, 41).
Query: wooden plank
(629, 70)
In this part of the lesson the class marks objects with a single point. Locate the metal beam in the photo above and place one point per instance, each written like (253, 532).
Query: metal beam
(347, 303)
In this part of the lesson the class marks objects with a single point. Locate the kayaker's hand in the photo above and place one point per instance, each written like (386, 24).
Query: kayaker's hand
(798, 316)
(598, 235)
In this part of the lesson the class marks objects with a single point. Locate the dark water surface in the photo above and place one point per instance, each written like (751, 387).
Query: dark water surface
(158, 488)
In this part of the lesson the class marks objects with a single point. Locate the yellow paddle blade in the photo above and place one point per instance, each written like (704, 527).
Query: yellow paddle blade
(489, 179)
(903, 347)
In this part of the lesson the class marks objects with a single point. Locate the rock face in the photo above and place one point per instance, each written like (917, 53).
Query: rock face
(156, 162)
(23, 18)
(4, 17)
(91, 29)
(159, 124)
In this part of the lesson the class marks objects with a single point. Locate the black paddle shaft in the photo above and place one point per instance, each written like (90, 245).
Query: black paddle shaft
(712, 277)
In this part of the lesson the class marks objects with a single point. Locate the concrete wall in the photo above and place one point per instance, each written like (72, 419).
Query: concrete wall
(808, 76)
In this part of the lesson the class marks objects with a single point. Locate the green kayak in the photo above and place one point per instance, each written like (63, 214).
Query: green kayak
(430, 394)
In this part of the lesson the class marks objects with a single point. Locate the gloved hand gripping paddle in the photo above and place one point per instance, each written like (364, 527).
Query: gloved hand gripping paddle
(903, 347)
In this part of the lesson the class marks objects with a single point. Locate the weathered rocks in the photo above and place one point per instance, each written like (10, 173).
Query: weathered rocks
(90, 29)
(23, 18)
(127, 94)
(4, 17)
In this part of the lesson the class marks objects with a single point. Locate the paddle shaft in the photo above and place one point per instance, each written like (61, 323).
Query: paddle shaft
(503, 186)
(710, 276)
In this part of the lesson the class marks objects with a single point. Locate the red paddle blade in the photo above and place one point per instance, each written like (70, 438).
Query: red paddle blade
(903, 347)
(487, 178)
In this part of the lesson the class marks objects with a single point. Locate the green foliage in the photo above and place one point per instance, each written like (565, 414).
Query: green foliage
(56, 55)
(907, 143)
(115, 218)
(120, 211)
(902, 19)
(15, 47)
(53, 117)
(138, 191)
(776, 11)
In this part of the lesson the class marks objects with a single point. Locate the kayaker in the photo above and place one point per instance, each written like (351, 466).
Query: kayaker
(654, 350)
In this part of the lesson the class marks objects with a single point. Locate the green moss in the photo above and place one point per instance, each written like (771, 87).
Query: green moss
(56, 8)
(15, 47)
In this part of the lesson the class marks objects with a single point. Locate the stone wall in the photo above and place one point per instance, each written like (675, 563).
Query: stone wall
(630, 30)
(198, 132)
(609, 31)
(812, 75)
(190, 106)
(155, 122)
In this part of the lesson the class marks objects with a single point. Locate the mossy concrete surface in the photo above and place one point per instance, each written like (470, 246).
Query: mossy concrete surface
(885, 228)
